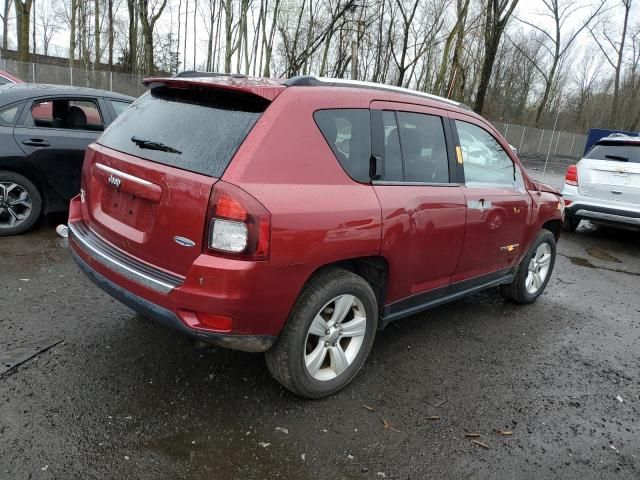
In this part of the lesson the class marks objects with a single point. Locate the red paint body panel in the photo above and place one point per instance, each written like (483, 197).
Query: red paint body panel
(150, 208)
(423, 231)
(319, 215)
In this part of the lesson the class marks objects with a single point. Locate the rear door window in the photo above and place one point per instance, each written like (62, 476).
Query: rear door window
(424, 148)
(616, 151)
(348, 133)
(64, 113)
(198, 129)
(393, 171)
(9, 114)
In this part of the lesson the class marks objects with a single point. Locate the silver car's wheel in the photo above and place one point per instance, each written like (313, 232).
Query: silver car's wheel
(335, 337)
(538, 268)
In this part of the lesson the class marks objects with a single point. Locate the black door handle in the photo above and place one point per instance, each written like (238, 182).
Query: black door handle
(36, 142)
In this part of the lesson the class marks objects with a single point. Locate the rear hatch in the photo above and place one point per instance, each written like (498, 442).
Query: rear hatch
(148, 179)
(611, 171)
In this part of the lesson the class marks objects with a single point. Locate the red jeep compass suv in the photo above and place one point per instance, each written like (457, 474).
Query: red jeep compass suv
(299, 217)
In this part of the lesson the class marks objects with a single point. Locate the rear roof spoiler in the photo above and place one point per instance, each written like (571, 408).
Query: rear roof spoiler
(263, 88)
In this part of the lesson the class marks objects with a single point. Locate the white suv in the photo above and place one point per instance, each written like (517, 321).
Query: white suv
(604, 187)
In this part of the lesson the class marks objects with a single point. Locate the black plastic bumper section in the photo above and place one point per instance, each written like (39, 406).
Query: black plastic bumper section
(247, 343)
(575, 207)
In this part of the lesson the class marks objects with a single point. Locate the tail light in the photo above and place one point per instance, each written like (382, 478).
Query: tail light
(237, 224)
(571, 178)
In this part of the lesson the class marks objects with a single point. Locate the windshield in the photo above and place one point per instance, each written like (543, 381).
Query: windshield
(624, 152)
(198, 129)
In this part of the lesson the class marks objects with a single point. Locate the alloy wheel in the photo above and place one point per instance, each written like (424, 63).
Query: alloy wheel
(538, 268)
(15, 204)
(335, 337)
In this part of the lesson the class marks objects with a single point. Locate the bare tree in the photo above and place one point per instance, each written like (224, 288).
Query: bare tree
(267, 39)
(131, 58)
(148, 19)
(23, 13)
(111, 33)
(72, 32)
(615, 59)
(5, 27)
(559, 11)
(457, 32)
(497, 14)
(49, 25)
(96, 32)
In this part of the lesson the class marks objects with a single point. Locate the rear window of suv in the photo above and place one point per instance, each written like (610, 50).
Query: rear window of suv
(616, 151)
(348, 134)
(197, 129)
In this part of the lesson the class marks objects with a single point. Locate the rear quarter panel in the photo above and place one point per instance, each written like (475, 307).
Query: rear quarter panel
(319, 214)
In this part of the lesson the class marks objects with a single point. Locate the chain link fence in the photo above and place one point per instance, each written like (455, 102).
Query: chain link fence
(120, 82)
(534, 141)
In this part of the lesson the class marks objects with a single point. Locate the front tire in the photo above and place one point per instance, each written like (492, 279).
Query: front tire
(328, 335)
(534, 271)
(20, 203)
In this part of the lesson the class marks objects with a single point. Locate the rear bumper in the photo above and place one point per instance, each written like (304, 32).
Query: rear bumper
(234, 303)
(600, 210)
(247, 343)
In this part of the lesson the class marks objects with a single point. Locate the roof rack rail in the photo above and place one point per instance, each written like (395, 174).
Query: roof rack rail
(197, 74)
(312, 81)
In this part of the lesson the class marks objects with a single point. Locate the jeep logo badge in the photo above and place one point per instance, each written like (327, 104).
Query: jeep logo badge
(115, 181)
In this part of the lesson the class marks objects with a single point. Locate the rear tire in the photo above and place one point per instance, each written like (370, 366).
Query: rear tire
(534, 271)
(328, 335)
(20, 203)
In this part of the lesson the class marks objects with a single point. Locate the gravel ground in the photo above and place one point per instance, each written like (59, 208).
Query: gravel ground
(122, 398)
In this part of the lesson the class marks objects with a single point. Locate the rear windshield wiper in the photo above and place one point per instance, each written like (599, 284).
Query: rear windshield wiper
(151, 145)
(617, 157)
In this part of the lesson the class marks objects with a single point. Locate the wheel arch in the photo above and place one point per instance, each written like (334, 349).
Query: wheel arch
(554, 226)
(32, 176)
(374, 269)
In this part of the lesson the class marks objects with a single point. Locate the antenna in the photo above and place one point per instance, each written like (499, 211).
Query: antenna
(546, 160)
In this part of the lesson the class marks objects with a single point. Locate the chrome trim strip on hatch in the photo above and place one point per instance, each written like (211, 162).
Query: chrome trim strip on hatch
(121, 174)
(122, 263)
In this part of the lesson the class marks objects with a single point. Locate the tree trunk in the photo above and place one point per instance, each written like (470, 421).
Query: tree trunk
(269, 47)
(212, 14)
(72, 33)
(496, 18)
(5, 28)
(23, 12)
(133, 36)
(228, 34)
(195, 31)
(614, 115)
(147, 22)
(147, 36)
(110, 13)
(96, 32)
(545, 96)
